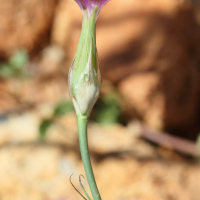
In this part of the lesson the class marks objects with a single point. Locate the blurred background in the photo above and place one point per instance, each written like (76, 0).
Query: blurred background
(143, 132)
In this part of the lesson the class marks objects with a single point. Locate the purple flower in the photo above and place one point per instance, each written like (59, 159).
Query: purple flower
(89, 5)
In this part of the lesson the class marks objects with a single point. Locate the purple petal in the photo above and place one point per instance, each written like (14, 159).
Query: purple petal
(101, 4)
(90, 4)
(80, 4)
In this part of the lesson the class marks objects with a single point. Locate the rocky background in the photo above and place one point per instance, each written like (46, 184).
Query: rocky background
(150, 58)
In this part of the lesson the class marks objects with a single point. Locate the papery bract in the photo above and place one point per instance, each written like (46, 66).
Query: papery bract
(84, 76)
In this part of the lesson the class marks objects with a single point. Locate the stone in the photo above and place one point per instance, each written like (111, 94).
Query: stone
(164, 88)
(25, 24)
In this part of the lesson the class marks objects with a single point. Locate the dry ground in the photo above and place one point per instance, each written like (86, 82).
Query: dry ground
(126, 167)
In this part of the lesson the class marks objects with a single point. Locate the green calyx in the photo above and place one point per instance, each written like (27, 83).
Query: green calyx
(86, 42)
(84, 76)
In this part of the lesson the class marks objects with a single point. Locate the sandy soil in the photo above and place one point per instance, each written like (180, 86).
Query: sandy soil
(125, 166)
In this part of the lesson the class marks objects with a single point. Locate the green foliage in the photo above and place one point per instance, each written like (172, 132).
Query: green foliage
(15, 67)
(19, 59)
(107, 109)
(62, 108)
(6, 71)
(44, 127)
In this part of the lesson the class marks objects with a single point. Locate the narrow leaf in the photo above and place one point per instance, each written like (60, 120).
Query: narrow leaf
(63, 108)
(44, 127)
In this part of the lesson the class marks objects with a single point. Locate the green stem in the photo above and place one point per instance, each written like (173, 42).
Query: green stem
(82, 130)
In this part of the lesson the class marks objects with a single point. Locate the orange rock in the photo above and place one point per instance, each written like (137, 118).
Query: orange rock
(150, 50)
(25, 24)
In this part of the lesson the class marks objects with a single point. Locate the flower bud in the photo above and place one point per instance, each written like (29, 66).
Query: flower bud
(84, 80)
(85, 90)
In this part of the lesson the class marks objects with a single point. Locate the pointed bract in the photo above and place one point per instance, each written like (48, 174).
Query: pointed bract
(84, 77)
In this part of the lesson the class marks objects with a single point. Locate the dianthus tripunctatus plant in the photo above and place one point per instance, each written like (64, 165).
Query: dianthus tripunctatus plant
(84, 75)
(85, 80)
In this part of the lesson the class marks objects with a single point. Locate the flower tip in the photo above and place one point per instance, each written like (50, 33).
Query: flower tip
(89, 5)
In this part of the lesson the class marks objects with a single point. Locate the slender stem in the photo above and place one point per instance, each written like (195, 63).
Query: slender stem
(83, 141)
